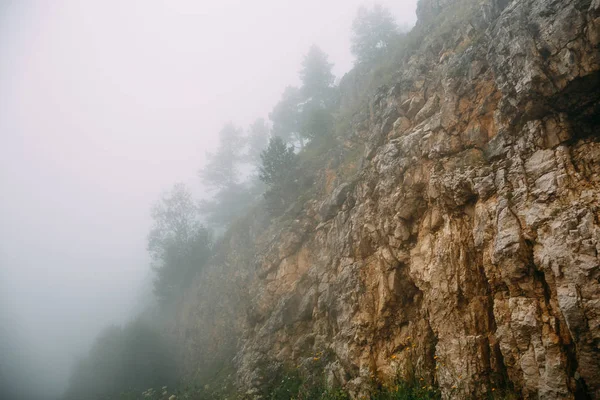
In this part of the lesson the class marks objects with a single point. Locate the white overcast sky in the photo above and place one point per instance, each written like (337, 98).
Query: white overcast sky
(103, 104)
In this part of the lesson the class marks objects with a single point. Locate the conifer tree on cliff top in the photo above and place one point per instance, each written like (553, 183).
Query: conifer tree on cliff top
(305, 113)
(372, 33)
(317, 78)
(278, 171)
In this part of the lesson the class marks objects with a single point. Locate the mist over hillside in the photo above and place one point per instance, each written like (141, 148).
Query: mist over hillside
(103, 107)
(300, 200)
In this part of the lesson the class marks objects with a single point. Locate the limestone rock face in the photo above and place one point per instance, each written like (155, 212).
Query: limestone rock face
(465, 252)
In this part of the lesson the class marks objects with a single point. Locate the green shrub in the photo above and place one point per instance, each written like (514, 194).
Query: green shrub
(406, 391)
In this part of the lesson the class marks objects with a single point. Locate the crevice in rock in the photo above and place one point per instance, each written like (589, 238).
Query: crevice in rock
(540, 277)
(580, 100)
(581, 391)
(500, 372)
(429, 356)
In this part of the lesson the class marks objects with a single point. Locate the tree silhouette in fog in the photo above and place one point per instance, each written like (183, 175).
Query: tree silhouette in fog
(373, 30)
(178, 243)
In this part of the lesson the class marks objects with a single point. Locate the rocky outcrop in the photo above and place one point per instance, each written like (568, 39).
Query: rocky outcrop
(465, 250)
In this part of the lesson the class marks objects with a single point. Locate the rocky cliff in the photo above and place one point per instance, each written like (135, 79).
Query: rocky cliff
(462, 247)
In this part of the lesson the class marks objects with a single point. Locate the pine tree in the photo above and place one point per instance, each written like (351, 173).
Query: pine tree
(286, 116)
(221, 171)
(222, 174)
(372, 33)
(317, 77)
(177, 242)
(278, 162)
(278, 171)
(258, 140)
(316, 120)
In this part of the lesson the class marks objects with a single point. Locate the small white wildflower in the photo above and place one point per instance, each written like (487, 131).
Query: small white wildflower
(173, 397)
(164, 388)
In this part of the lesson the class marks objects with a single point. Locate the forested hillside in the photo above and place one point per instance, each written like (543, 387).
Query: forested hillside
(427, 227)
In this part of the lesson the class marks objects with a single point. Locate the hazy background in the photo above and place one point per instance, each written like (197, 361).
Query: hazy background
(103, 104)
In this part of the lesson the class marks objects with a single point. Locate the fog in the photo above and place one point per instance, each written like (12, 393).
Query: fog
(103, 105)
